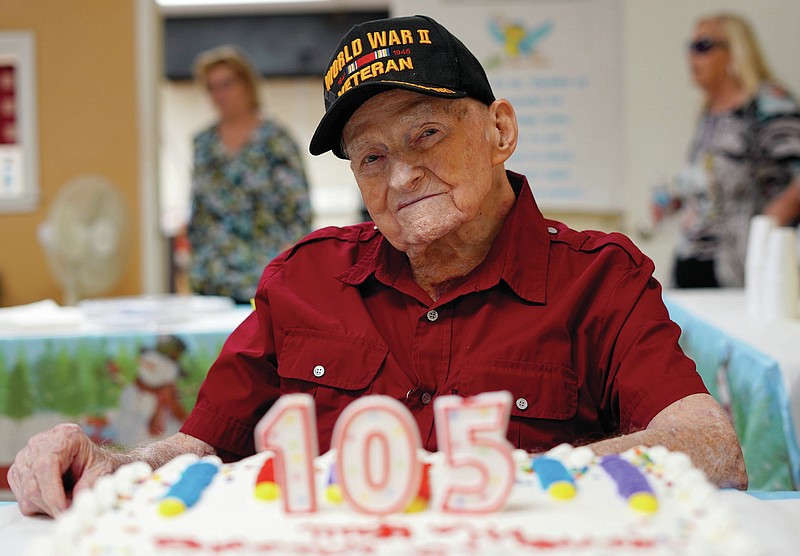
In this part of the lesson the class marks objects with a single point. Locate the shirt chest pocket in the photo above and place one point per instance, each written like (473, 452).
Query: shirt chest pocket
(544, 398)
(311, 359)
(539, 390)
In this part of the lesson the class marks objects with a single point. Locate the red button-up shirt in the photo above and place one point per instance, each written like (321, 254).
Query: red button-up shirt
(571, 323)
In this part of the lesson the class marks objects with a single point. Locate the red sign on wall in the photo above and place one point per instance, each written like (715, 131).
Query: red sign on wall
(8, 106)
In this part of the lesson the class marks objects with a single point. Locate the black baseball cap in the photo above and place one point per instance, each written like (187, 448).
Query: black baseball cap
(413, 53)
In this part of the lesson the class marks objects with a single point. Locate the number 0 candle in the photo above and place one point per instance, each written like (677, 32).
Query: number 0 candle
(376, 441)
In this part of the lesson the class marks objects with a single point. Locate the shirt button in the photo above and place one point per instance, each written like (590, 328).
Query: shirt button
(552, 230)
(522, 403)
(426, 398)
(319, 370)
(432, 315)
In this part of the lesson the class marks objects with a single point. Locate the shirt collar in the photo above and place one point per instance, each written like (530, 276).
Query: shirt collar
(521, 250)
(518, 256)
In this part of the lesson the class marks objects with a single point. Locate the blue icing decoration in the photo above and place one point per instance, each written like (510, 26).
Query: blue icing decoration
(193, 481)
(550, 471)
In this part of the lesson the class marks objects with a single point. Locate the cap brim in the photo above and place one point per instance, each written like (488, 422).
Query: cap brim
(328, 135)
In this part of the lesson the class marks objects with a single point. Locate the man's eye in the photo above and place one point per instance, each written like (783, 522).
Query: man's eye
(429, 132)
(370, 158)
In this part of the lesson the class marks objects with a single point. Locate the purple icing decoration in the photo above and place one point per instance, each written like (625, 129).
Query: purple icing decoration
(629, 479)
(332, 479)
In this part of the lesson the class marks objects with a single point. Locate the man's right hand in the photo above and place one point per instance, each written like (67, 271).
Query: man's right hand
(55, 464)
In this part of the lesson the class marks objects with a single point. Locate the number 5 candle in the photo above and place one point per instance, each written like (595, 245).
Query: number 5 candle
(479, 470)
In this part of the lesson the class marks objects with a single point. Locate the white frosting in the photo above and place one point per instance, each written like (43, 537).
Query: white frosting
(120, 516)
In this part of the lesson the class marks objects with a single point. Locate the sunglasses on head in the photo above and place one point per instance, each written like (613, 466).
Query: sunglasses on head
(701, 46)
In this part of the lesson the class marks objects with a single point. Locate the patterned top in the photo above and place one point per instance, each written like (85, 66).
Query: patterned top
(738, 162)
(247, 207)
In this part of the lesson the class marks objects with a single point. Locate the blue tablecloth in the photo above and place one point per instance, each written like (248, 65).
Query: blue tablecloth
(121, 384)
(748, 381)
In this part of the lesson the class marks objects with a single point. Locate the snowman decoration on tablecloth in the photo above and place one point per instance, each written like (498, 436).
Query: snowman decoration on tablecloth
(150, 408)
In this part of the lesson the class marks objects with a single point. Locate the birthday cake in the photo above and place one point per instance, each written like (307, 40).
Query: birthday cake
(585, 512)
(370, 495)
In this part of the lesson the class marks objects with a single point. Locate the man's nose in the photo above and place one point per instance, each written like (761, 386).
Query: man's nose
(405, 174)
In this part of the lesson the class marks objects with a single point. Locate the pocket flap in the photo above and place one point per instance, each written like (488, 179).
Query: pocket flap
(538, 390)
(329, 359)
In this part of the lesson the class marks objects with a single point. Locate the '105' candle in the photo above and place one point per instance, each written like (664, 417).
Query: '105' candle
(377, 443)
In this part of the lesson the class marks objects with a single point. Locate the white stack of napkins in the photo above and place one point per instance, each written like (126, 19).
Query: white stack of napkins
(40, 315)
(772, 270)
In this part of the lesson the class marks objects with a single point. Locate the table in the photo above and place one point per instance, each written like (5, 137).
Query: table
(19, 533)
(773, 522)
(83, 370)
(126, 375)
(752, 368)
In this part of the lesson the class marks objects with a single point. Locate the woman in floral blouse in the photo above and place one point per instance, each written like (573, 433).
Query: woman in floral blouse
(249, 191)
(745, 157)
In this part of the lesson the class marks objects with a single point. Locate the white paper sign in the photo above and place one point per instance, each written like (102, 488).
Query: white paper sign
(559, 63)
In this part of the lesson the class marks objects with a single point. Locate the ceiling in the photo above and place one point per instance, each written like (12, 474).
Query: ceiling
(219, 7)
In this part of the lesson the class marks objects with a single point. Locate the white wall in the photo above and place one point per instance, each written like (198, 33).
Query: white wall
(660, 106)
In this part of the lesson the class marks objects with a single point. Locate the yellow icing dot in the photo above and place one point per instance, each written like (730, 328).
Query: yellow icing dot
(562, 490)
(643, 502)
(170, 507)
(334, 494)
(268, 490)
(417, 505)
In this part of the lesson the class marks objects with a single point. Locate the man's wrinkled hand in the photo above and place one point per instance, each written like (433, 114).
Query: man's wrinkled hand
(53, 465)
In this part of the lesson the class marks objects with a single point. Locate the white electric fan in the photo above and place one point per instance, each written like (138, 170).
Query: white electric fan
(86, 237)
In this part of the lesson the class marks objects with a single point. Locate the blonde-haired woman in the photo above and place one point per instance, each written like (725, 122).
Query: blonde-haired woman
(745, 156)
(249, 191)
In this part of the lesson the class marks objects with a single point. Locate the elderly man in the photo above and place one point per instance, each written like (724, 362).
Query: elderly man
(459, 287)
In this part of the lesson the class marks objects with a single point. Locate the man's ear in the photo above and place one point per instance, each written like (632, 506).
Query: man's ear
(505, 130)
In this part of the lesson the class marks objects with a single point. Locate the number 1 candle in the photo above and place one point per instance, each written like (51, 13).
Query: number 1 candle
(290, 430)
